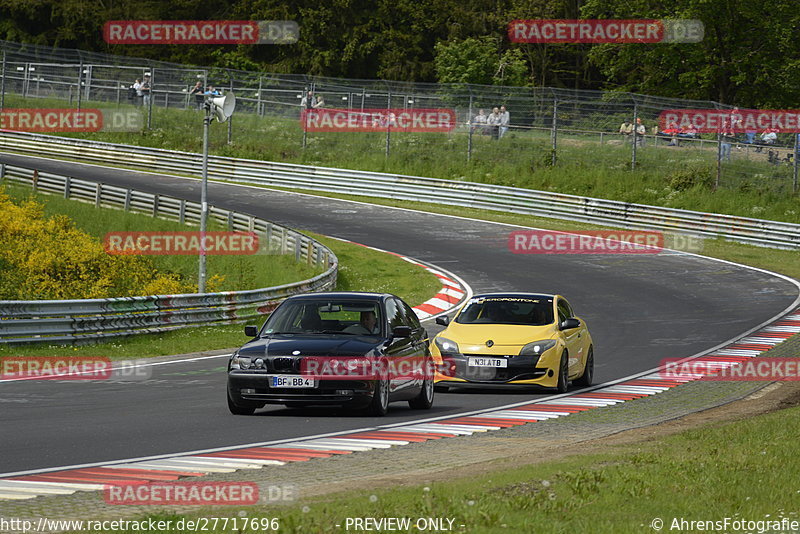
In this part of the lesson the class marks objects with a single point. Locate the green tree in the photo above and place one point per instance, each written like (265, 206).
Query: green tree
(748, 57)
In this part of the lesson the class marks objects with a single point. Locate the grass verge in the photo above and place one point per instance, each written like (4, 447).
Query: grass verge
(741, 471)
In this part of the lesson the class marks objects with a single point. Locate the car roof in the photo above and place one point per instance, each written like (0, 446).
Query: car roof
(353, 295)
(513, 294)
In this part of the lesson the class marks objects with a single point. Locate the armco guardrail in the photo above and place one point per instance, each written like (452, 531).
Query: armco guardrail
(467, 194)
(60, 321)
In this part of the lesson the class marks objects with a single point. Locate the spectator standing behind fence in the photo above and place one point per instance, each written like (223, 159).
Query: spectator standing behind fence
(626, 130)
(318, 102)
(727, 136)
(307, 101)
(493, 122)
(145, 90)
(137, 91)
(505, 121)
(640, 130)
(479, 123)
(133, 91)
(212, 91)
(197, 91)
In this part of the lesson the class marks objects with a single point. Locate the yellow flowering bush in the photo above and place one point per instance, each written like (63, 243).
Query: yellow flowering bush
(44, 258)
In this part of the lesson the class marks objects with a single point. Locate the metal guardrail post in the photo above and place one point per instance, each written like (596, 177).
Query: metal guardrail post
(388, 122)
(554, 132)
(3, 84)
(80, 82)
(230, 119)
(259, 108)
(635, 135)
(98, 194)
(796, 163)
(719, 161)
(150, 99)
(471, 128)
(67, 183)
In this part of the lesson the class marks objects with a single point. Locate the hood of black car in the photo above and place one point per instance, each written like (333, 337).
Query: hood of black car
(310, 345)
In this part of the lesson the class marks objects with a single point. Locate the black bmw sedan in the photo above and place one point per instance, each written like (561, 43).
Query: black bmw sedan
(359, 350)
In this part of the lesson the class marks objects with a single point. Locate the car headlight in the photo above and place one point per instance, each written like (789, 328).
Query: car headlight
(537, 348)
(447, 347)
(240, 362)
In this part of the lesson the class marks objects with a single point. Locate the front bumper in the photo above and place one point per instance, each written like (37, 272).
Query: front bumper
(252, 387)
(534, 370)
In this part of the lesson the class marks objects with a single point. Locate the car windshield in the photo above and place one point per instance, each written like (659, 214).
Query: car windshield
(332, 317)
(508, 310)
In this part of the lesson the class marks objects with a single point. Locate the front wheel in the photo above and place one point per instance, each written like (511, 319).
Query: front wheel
(379, 405)
(235, 409)
(424, 400)
(563, 374)
(588, 371)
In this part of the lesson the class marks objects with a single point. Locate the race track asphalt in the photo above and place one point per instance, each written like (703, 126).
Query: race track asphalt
(640, 309)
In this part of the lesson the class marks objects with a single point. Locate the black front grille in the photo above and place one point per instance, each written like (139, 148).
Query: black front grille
(285, 364)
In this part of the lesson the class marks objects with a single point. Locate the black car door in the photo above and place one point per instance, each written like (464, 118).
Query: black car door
(420, 341)
(401, 350)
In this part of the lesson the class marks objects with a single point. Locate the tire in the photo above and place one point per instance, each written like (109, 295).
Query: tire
(588, 371)
(563, 374)
(235, 409)
(424, 400)
(379, 404)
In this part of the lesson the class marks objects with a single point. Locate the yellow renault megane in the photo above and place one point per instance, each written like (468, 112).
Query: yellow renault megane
(514, 338)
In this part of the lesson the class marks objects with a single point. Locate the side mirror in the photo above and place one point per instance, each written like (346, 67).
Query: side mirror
(251, 331)
(401, 331)
(443, 320)
(569, 324)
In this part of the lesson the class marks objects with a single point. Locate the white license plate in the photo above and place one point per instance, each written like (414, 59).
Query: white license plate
(487, 362)
(292, 381)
